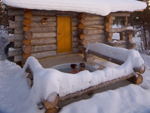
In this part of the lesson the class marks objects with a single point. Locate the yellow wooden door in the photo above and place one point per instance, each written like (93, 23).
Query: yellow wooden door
(64, 40)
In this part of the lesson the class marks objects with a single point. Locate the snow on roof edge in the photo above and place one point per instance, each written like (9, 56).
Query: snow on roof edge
(99, 7)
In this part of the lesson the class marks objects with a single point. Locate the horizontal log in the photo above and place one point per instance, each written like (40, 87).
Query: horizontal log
(75, 23)
(81, 48)
(45, 41)
(15, 12)
(39, 24)
(82, 42)
(87, 23)
(99, 40)
(93, 37)
(14, 52)
(117, 30)
(74, 28)
(28, 14)
(25, 56)
(94, 26)
(75, 50)
(75, 33)
(26, 42)
(28, 35)
(13, 38)
(18, 44)
(82, 36)
(43, 13)
(120, 14)
(43, 29)
(82, 21)
(50, 105)
(44, 35)
(27, 49)
(44, 48)
(75, 39)
(26, 28)
(75, 44)
(82, 15)
(27, 22)
(15, 24)
(19, 18)
(44, 54)
(48, 18)
(136, 80)
(93, 88)
(92, 18)
(92, 31)
(140, 70)
(18, 31)
(17, 58)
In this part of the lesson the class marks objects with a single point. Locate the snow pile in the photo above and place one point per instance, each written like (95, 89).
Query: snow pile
(131, 57)
(100, 7)
(129, 99)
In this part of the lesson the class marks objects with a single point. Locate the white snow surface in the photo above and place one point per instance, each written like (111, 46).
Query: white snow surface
(100, 7)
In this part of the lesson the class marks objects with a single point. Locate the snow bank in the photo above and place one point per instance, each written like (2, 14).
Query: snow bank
(100, 7)
(48, 81)
(130, 57)
(129, 99)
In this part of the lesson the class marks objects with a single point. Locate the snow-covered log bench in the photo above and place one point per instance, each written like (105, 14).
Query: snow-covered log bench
(51, 86)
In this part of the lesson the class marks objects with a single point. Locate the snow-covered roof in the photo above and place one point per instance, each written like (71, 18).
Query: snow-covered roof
(100, 7)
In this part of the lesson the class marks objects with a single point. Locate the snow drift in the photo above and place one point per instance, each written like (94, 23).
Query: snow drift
(100, 7)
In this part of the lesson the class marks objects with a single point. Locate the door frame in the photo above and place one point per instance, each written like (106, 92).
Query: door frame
(57, 33)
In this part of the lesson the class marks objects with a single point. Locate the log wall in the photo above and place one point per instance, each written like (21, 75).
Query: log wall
(34, 33)
(91, 29)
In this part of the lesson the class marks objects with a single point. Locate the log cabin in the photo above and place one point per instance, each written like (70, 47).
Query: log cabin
(50, 28)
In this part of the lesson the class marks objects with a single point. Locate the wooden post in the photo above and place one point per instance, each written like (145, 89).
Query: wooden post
(27, 48)
(108, 26)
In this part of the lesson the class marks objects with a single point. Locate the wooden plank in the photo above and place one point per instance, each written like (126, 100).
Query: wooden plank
(13, 38)
(18, 58)
(15, 12)
(44, 41)
(19, 18)
(75, 33)
(94, 26)
(120, 14)
(48, 18)
(44, 48)
(75, 39)
(15, 24)
(44, 54)
(39, 24)
(93, 18)
(95, 37)
(18, 44)
(75, 50)
(117, 30)
(87, 23)
(75, 44)
(43, 13)
(92, 31)
(18, 31)
(43, 29)
(44, 35)
(14, 52)
(93, 88)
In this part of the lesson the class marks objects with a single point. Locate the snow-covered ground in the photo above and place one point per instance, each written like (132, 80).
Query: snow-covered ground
(15, 96)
